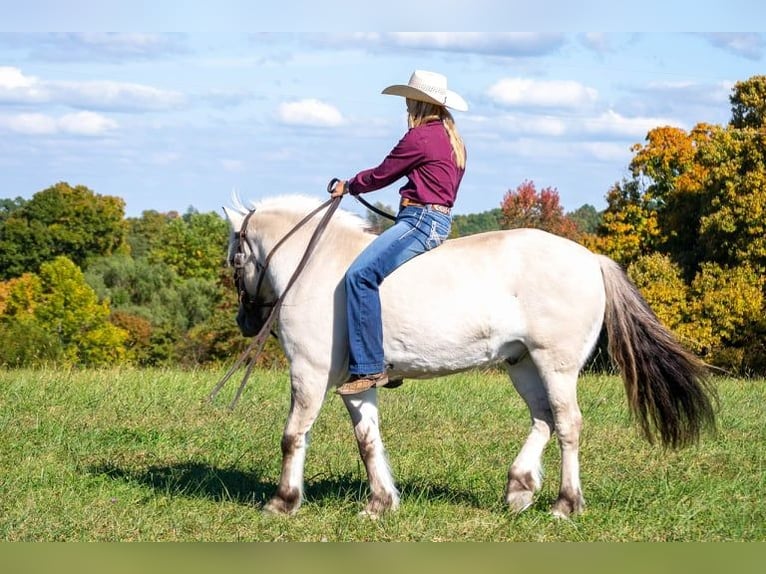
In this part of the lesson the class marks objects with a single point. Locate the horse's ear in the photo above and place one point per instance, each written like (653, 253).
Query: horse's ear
(235, 219)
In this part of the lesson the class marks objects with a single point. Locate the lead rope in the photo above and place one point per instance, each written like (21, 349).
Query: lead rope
(253, 350)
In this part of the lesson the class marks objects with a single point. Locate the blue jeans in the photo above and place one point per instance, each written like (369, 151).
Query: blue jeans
(416, 230)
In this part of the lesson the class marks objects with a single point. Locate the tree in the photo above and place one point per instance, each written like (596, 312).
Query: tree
(628, 226)
(725, 307)
(59, 305)
(586, 218)
(8, 206)
(732, 225)
(477, 222)
(525, 207)
(377, 223)
(661, 284)
(145, 232)
(748, 103)
(60, 220)
(193, 245)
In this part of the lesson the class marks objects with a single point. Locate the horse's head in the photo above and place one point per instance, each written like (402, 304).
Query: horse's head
(254, 291)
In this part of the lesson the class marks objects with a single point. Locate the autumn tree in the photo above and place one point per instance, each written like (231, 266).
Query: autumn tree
(628, 227)
(60, 315)
(748, 105)
(525, 207)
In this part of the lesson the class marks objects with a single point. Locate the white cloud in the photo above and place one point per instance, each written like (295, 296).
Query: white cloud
(18, 88)
(533, 125)
(79, 123)
(750, 45)
(309, 112)
(30, 124)
(13, 79)
(608, 151)
(613, 124)
(512, 44)
(86, 124)
(542, 93)
(97, 46)
(507, 43)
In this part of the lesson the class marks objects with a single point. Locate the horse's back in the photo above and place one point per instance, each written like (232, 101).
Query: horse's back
(487, 292)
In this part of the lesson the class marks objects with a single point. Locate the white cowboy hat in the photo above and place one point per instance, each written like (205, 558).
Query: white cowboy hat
(428, 87)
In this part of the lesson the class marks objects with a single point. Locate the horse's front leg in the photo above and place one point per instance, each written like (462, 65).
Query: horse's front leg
(305, 402)
(363, 408)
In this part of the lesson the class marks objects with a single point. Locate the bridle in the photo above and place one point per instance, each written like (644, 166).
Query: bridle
(250, 303)
(240, 259)
(238, 262)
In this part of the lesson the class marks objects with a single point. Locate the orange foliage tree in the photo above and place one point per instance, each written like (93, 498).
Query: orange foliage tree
(526, 207)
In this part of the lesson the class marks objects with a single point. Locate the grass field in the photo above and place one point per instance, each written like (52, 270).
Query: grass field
(139, 455)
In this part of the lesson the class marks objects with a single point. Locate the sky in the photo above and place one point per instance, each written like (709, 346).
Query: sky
(169, 121)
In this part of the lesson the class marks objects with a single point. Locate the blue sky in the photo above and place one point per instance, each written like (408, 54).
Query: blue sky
(168, 121)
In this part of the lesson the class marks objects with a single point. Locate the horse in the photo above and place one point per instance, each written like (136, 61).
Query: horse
(530, 300)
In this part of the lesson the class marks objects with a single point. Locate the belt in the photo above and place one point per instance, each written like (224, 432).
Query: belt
(407, 202)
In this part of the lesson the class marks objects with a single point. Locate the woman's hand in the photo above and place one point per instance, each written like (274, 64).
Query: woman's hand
(340, 188)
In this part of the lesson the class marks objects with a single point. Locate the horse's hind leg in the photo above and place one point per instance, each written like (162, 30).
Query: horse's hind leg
(363, 408)
(562, 394)
(525, 474)
(305, 403)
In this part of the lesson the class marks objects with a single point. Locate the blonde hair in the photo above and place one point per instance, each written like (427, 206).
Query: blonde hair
(419, 113)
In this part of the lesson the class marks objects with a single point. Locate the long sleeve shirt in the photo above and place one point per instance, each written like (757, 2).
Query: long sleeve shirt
(424, 155)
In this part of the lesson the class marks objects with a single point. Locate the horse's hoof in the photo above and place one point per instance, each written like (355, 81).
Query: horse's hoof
(278, 506)
(519, 500)
(565, 507)
(369, 515)
(379, 505)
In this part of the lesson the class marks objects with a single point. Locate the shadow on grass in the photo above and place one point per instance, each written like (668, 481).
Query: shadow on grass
(201, 480)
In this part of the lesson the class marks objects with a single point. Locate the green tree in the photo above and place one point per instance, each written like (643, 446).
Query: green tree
(145, 232)
(193, 245)
(586, 218)
(8, 206)
(472, 223)
(60, 220)
(377, 223)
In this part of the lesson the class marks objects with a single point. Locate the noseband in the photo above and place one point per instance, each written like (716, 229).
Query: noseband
(248, 301)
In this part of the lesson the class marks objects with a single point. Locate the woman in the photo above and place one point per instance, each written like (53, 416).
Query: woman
(432, 157)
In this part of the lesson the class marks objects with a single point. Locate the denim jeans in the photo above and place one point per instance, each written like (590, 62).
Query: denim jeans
(416, 230)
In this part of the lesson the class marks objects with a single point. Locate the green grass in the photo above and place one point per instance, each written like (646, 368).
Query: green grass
(139, 455)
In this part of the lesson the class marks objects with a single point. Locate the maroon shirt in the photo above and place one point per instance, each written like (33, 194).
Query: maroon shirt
(425, 156)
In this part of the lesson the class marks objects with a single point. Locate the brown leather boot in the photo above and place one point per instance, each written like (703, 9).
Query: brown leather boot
(360, 383)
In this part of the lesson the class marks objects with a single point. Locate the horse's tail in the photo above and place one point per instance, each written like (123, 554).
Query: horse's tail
(667, 386)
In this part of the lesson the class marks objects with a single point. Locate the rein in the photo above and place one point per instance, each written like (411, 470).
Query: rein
(254, 349)
(375, 209)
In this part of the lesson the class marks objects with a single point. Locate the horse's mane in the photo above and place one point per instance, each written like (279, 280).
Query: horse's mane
(299, 206)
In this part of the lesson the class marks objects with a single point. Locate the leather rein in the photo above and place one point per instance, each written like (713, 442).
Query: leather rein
(240, 259)
(250, 301)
